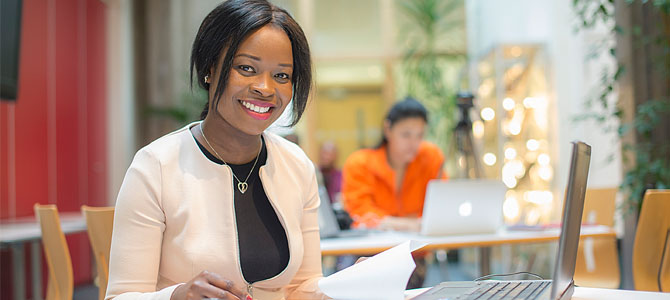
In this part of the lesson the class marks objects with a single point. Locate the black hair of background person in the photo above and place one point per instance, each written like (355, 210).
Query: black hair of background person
(401, 110)
(227, 26)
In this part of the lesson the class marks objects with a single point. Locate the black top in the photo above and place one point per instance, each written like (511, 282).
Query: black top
(263, 244)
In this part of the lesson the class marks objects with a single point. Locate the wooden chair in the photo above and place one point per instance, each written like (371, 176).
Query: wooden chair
(99, 224)
(651, 250)
(597, 258)
(61, 283)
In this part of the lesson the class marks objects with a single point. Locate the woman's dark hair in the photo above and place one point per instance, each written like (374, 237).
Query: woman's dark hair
(227, 26)
(401, 110)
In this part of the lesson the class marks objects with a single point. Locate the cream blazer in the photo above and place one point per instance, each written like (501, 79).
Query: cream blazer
(175, 218)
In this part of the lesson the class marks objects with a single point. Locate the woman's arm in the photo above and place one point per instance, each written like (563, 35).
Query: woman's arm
(305, 282)
(139, 223)
(358, 189)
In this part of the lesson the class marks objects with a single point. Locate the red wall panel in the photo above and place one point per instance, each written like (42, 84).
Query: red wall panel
(96, 77)
(31, 111)
(55, 133)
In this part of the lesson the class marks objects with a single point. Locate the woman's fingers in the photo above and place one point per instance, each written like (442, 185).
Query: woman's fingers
(360, 259)
(225, 285)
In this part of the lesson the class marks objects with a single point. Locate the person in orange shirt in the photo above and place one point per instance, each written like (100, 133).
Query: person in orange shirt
(385, 187)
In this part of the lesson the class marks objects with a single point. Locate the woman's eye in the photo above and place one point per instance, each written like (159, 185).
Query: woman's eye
(246, 68)
(282, 76)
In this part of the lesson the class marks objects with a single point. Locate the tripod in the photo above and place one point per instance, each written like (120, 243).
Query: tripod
(468, 162)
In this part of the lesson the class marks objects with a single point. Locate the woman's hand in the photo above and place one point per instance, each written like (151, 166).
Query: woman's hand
(208, 285)
(400, 224)
(361, 259)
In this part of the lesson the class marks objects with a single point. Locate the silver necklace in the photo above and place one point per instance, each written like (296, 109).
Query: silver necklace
(241, 185)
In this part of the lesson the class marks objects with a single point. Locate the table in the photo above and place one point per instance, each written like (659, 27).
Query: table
(584, 293)
(377, 242)
(16, 233)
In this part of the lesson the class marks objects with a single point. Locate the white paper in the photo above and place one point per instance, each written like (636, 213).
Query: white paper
(383, 276)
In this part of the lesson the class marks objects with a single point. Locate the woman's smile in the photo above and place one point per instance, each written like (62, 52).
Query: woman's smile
(260, 110)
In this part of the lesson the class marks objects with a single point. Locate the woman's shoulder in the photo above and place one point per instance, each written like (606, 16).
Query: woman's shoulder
(290, 152)
(167, 146)
(364, 156)
(430, 151)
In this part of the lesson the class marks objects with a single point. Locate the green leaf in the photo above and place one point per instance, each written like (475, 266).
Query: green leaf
(620, 71)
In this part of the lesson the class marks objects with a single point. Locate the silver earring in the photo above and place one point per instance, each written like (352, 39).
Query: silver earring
(207, 78)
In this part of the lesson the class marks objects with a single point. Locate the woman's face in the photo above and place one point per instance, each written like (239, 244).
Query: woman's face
(404, 138)
(260, 81)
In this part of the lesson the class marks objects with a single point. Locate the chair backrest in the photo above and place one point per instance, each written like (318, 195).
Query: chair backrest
(651, 250)
(61, 282)
(599, 206)
(99, 224)
(598, 259)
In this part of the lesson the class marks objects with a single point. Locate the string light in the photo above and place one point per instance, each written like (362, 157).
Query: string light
(510, 153)
(511, 207)
(488, 114)
(525, 166)
(541, 197)
(529, 102)
(545, 172)
(543, 159)
(478, 129)
(490, 159)
(514, 128)
(508, 104)
(509, 181)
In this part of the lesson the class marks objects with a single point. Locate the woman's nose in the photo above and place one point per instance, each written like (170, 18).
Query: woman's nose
(262, 85)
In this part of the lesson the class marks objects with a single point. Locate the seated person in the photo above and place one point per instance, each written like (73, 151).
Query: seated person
(384, 187)
(222, 208)
(332, 176)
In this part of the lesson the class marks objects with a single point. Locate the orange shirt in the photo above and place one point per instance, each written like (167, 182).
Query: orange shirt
(369, 185)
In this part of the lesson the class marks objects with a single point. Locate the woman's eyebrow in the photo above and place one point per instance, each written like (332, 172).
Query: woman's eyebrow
(249, 56)
(256, 58)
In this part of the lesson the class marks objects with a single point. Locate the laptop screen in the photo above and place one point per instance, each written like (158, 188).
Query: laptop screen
(572, 216)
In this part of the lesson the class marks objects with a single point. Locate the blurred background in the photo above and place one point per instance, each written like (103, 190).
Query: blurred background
(86, 83)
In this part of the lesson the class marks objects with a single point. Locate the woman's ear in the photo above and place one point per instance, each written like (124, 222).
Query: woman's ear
(211, 75)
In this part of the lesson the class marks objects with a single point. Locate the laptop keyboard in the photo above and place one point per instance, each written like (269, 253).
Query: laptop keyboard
(507, 290)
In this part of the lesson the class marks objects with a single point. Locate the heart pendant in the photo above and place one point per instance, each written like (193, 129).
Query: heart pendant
(242, 186)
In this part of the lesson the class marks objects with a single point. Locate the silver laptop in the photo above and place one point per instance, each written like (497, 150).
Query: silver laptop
(462, 206)
(328, 225)
(562, 285)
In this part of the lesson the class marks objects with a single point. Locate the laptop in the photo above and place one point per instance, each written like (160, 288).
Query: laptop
(328, 225)
(562, 285)
(462, 206)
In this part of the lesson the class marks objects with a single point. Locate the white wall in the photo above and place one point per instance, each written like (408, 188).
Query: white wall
(120, 94)
(572, 77)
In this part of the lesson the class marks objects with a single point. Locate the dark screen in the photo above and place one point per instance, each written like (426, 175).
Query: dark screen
(10, 33)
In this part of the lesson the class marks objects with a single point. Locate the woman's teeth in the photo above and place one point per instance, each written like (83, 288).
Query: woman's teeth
(254, 108)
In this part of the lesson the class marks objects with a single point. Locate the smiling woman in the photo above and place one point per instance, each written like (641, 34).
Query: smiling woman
(259, 83)
(221, 208)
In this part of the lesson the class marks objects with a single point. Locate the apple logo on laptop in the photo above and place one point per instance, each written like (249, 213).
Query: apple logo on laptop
(465, 209)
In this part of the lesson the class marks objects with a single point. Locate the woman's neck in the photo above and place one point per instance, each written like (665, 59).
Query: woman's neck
(398, 167)
(229, 143)
(396, 164)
